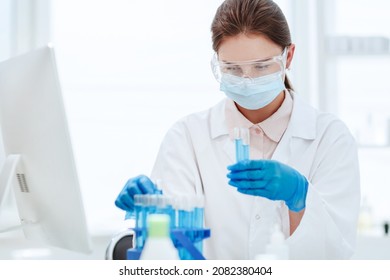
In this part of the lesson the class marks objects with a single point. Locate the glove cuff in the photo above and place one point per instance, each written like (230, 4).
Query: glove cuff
(298, 200)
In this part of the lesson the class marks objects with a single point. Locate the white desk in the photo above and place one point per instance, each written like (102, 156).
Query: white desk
(368, 248)
(17, 247)
(372, 248)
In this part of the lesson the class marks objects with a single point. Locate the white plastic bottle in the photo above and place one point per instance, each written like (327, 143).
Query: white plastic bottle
(159, 245)
(278, 247)
(365, 222)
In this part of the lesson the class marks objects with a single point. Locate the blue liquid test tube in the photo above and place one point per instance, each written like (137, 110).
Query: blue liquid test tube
(238, 143)
(138, 210)
(141, 220)
(199, 219)
(241, 139)
(171, 211)
(245, 143)
(146, 205)
(185, 219)
(152, 203)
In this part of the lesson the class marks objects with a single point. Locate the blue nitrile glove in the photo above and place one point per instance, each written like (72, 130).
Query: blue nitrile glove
(138, 185)
(270, 179)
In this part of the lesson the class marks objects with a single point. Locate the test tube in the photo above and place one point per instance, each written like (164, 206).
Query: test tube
(152, 203)
(185, 219)
(138, 201)
(185, 212)
(170, 209)
(199, 219)
(241, 138)
(163, 206)
(238, 143)
(245, 143)
(175, 202)
(198, 210)
(145, 210)
(141, 220)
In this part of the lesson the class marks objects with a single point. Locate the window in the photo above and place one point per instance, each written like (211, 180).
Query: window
(357, 61)
(129, 70)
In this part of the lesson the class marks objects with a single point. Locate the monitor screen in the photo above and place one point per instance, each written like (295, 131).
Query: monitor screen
(39, 165)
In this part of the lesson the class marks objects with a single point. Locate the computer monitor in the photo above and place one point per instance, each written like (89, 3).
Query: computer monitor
(40, 165)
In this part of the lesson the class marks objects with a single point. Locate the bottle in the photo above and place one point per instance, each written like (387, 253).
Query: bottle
(159, 245)
(277, 246)
(365, 222)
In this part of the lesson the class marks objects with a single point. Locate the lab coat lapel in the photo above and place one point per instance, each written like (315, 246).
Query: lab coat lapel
(302, 126)
(283, 150)
(229, 149)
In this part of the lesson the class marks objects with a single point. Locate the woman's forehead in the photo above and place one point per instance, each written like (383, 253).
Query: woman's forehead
(245, 47)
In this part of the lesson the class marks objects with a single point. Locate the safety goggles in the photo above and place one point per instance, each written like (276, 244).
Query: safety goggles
(251, 69)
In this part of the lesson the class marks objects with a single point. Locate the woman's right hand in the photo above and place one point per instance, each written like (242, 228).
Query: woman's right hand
(137, 185)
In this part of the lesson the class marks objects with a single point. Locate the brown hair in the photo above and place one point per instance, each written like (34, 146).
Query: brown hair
(251, 17)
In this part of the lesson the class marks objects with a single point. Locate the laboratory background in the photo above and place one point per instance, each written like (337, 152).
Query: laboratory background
(130, 69)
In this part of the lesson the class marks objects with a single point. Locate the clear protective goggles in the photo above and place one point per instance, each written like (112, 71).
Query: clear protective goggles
(250, 69)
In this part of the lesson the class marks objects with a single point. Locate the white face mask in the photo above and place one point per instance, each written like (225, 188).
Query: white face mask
(253, 93)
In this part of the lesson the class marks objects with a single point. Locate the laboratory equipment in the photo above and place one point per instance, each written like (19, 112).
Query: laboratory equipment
(186, 216)
(159, 245)
(40, 165)
(242, 142)
(248, 70)
(119, 244)
(185, 219)
(365, 220)
(199, 218)
(277, 245)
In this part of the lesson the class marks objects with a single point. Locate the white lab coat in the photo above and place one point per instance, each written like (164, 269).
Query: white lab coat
(196, 151)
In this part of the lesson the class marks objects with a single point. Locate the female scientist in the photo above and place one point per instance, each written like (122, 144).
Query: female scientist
(303, 173)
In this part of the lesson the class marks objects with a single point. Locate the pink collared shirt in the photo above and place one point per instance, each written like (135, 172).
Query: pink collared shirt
(264, 136)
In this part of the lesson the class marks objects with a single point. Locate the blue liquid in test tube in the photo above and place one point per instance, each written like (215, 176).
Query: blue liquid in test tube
(171, 211)
(185, 220)
(245, 143)
(241, 139)
(238, 143)
(199, 219)
(138, 210)
(146, 205)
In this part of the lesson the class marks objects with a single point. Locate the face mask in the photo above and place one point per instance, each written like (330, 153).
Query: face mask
(252, 94)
